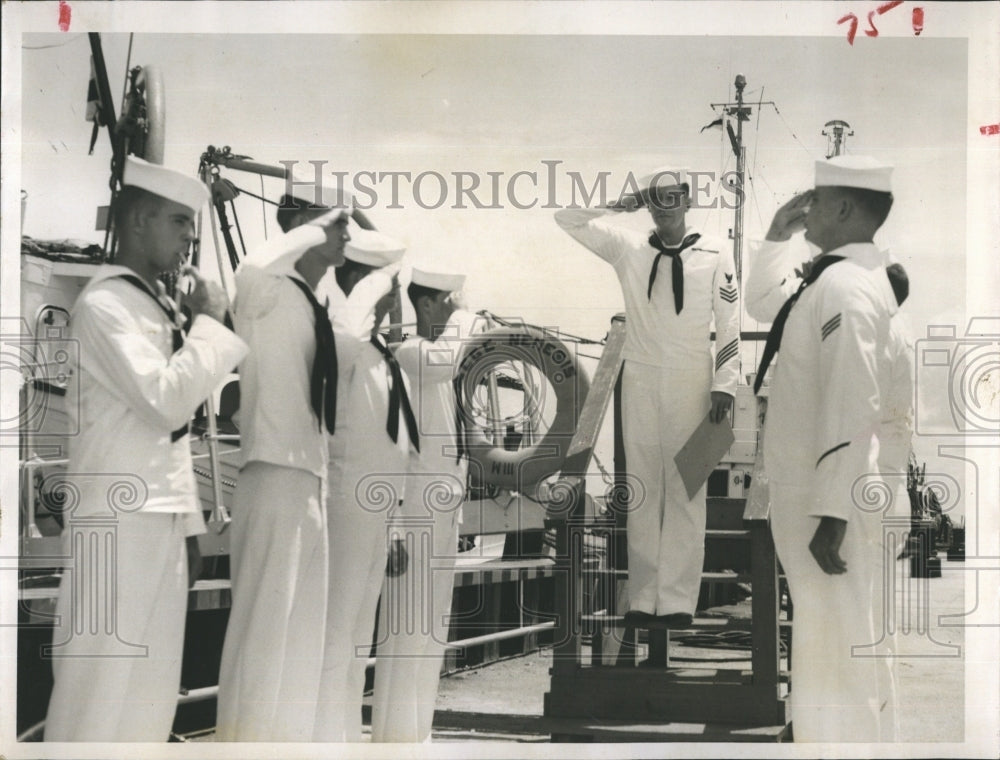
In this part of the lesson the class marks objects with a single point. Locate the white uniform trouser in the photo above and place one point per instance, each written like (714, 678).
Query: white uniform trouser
(117, 668)
(666, 530)
(269, 677)
(412, 633)
(358, 552)
(840, 692)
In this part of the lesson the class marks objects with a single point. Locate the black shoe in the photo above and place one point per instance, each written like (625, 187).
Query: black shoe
(638, 619)
(673, 620)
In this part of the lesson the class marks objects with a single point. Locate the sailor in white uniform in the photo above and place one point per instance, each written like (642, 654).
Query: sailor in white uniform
(369, 450)
(415, 606)
(821, 443)
(138, 382)
(269, 676)
(669, 380)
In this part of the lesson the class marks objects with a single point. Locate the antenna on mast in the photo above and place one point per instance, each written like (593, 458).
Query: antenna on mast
(741, 155)
(740, 113)
(836, 138)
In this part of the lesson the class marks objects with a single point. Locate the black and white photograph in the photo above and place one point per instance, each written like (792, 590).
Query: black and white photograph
(500, 379)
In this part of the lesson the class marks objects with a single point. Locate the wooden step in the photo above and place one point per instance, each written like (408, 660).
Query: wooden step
(700, 622)
(657, 695)
(715, 533)
(708, 576)
(580, 730)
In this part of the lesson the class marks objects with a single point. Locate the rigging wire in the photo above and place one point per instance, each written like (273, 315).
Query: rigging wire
(263, 208)
(128, 64)
(239, 229)
(558, 334)
(724, 160)
(213, 223)
(756, 138)
(261, 198)
(792, 133)
(774, 192)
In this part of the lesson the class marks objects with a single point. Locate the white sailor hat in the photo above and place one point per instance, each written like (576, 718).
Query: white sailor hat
(663, 177)
(167, 183)
(372, 247)
(450, 283)
(862, 172)
(316, 188)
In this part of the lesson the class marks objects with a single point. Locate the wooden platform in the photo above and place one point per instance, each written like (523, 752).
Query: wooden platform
(460, 724)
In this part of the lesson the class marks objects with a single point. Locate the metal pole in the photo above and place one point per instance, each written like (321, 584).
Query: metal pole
(104, 88)
(741, 82)
(253, 167)
(219, 519)
(210, 692)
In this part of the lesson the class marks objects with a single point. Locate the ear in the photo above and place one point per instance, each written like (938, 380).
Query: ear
(424, 305)
(142, 213)
(846, 208)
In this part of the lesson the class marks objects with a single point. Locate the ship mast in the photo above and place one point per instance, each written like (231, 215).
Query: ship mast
(741, 113)
(836, 138)
(741, 154)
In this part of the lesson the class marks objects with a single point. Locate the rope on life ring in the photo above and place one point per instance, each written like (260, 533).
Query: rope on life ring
(520, 470)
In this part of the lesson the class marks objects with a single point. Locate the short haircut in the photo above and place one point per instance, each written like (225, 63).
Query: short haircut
(651, 194)
(874, 203)
(131, 197)
(416, 292)
(291, 206)
(900, 282)
(349, 269)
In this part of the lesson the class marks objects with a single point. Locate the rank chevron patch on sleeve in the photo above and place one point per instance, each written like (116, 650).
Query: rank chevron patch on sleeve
(726, 353)
(831, 324)
(728, 293)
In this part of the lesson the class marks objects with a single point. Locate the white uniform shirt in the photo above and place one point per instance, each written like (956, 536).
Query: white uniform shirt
(896, 434)
(132, 390)
(430, 367)
(278, 424)
(655, 334)
(824, 413)
(896, 431)
(365, 464)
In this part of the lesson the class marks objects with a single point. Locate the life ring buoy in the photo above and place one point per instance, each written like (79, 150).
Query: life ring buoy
(521, 469)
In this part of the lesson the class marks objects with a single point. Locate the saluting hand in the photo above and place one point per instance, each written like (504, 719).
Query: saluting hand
(628, 203)
(790, 218)
(334, 225)
(207, 297)
(825, 545)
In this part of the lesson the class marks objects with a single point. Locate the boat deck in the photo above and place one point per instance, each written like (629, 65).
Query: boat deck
(504, 700)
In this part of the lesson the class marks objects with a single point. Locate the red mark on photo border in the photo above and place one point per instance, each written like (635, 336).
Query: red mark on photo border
(872, 30)
(888, 6)
(990, 129)
(65, 15)
(852, 29)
